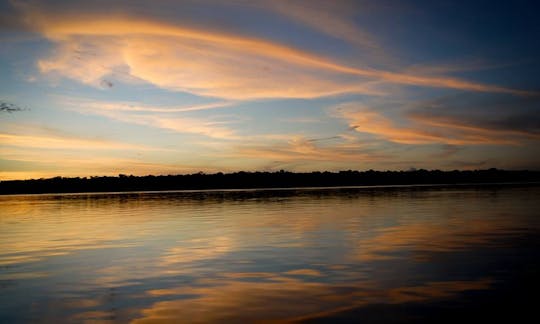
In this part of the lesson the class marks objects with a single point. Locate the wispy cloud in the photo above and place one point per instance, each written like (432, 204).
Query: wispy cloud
(127, 106)
(31, 151)
(333, 18)
(297, 148)
(465, 127)
(209, 62)
(195, 61)
(425, 129)
(9, 107)
(159, 117)
(55, 142)
(511, 115)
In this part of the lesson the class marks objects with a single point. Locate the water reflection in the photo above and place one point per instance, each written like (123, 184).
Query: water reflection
(297, 255)
(285, 299)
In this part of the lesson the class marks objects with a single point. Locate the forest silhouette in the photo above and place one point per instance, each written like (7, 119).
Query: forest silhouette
(254, 180)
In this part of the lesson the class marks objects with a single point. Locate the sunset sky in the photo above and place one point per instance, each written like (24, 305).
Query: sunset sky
(168, 87)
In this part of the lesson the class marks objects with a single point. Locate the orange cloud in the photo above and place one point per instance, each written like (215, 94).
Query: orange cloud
(299, 148)
(66, 165)
(182, 59)
(56, 142)
(72, 161)
(209, 63)
(422, 130)
(464, 127)
(56, 154)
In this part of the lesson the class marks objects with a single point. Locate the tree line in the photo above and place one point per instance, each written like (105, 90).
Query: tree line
(278, 179)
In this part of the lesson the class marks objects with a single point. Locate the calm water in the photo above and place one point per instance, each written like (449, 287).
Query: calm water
(370, 255)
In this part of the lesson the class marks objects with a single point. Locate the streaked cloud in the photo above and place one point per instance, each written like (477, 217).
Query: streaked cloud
(415, 128)
(331, 18)
(298, 148)
(159, 117)
(52, 142)
(198, 62)
(138, 107)
(467, 128)
(186, 58)
(42, 153)
(515, 117)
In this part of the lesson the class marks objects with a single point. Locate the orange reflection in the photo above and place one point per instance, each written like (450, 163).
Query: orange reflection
(212, 257)
(424, 238)
(287, 300)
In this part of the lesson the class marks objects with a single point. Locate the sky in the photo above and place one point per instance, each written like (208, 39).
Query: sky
(93, 88)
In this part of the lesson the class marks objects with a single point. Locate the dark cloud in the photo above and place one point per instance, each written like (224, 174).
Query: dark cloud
(468, 164)
(106, 83)
(323, 139)
(9, 107)
(10, 18)
(447, 151)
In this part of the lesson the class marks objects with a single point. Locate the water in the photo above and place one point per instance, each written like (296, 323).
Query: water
(372, 255)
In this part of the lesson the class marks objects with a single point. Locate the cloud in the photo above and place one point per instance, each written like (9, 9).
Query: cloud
(79, 163)
(471, 165)
(106, 83)
(42, 152)
(138, 107)
(457, 65)
(490, 115)
(297, 148)
(331, 18)
(158, 117)
(470, 130)
(91, 47)
(56, 142)
(9, 107)
(446, 151)
(198, 62)
(514, 117)
(418, 128)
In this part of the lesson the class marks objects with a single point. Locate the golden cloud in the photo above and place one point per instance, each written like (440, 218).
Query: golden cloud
(423, 130)
(208, 62)
(55, 142)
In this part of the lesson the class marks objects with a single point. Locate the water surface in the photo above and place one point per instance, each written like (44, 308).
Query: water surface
(399, 255)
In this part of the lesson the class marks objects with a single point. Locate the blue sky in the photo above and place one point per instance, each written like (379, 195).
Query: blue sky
(186, 86)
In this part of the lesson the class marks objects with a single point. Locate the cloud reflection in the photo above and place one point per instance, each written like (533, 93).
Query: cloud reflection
(289, 300)
(245, 256)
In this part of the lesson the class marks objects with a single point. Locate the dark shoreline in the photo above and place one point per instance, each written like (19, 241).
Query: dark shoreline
(269, 180)
(244, 193)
